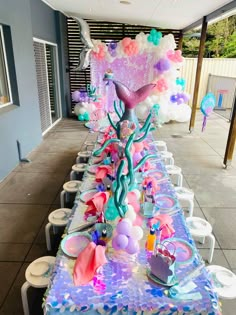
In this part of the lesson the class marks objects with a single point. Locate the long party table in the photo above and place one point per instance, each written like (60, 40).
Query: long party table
(122, 285)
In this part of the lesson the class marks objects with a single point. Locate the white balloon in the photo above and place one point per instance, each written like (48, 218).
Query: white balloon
(136, 233)
(137, 193)
(81, 111)
(130, 214)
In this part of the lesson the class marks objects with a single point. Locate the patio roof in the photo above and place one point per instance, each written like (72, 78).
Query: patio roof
(172, 14)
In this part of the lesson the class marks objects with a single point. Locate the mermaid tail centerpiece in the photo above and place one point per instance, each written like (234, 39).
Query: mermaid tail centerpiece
(131, 99)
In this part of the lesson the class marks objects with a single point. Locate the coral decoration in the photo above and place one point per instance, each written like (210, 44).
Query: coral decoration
(161, 85)
(175, 56)
(130, 46)
(100, 53)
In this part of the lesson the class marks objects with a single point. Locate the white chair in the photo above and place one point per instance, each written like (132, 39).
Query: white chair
(223, 281)
(89, 144)
(185, 194)
(77, 169)
(175, 171)
(167, 157)
(37, 275)
(69, 187)
(83, 157)
(200, 229)
(160, 145)
(57, 218)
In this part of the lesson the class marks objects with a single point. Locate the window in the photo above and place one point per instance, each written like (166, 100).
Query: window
(5, 90)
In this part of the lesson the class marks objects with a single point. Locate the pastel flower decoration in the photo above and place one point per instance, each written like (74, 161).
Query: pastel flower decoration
(162, 65)
(100, 52)
(154, 37)
(181, 82)
(130, 46)
(161, 85)
(175, 55)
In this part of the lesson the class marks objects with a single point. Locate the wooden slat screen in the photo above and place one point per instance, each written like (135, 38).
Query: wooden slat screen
(106, 32)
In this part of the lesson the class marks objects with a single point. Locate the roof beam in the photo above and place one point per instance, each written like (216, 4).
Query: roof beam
(228, 7)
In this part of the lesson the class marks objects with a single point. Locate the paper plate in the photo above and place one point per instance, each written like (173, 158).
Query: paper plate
(158, 175)
(87, 195)
(92, 169)
(159, 281)
(165, 202)
(74, 243)
(39, 268)
(224, 281)
(104, 226)
(184, 252)
(87, 184)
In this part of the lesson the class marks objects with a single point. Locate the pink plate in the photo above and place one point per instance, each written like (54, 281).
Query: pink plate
(156, 174)
(74, 243)
(87, 195)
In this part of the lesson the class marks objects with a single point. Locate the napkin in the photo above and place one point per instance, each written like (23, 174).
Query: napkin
(96, 204)
(166, 228)
(87, 263)
(147, 180)
(102, 171)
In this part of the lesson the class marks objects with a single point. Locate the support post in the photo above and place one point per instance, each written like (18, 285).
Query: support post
(180, 44)
(198, 73)
(229, 151)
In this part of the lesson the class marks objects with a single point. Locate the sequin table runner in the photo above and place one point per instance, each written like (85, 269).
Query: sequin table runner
(122, 285)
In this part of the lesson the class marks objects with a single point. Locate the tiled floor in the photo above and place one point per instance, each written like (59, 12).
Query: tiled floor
(31, 191)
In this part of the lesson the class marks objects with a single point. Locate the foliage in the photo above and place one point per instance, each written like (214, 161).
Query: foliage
(220, 41)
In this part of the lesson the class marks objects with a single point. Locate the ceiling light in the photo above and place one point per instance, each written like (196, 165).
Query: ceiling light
(125, 2)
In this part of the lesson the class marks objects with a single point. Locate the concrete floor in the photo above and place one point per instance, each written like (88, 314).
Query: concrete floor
(32, 191)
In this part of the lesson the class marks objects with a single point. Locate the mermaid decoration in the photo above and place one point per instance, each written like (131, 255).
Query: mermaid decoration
(128, 132)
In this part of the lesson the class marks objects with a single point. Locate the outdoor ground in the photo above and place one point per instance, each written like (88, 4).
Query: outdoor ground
(32, 191)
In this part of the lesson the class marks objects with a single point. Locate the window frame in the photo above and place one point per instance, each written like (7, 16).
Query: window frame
(6, 68)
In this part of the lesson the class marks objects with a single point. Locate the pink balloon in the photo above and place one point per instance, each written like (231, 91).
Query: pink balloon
(121, 241)
(138, 221)
(123, 228)
(133, 247)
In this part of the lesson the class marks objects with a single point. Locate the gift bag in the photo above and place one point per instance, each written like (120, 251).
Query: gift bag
(162, 262)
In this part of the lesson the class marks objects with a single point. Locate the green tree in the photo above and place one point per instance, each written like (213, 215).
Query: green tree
(230, 47)
(220, 41)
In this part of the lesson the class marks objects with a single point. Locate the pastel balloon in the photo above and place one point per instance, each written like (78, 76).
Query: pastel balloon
(133, 247)
(136, 233)
(162, 65)
(130, 214)
(123, 228)
(75, 96)
(137, 193)
(121, 241)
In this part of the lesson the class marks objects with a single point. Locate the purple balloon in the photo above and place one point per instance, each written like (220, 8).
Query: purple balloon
(173, 98)
(76, 96)
(112, 48)
(123, 228)
(162, 65)
(121, 241)
(133, 247)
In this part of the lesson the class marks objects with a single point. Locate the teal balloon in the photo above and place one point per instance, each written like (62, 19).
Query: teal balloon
(86, 116)
(111, 213)
(81, 117)
(154, 37)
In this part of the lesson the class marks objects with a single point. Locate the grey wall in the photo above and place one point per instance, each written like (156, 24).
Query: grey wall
(27, 19)
(43, 21)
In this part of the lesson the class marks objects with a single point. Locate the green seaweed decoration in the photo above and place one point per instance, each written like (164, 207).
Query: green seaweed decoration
(121, 190)
(109, 141)
(145, 128)
(131, 169)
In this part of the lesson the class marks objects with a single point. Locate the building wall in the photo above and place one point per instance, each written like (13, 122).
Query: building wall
(43, 21)
(26, 18)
